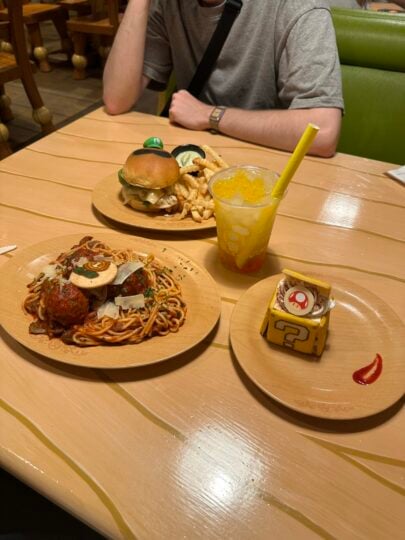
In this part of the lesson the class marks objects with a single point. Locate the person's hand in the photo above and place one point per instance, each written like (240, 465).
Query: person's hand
(189, 112)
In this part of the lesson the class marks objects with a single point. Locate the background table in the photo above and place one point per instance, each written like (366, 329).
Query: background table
(191, 448)
(391, 6)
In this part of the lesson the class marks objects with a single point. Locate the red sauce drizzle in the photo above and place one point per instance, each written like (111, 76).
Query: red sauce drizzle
(369, 374)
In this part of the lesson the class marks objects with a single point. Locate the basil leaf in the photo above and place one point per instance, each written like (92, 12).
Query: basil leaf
(84, 272)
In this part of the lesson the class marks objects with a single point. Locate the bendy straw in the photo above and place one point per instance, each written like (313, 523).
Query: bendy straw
(293, 163)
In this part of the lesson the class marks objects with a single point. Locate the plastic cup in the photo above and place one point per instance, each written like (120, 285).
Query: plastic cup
(245, 211)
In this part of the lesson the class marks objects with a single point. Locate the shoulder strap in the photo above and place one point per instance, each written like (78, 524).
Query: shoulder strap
(206, 65)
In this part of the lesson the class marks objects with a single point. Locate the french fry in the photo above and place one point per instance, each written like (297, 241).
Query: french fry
(183, 191)
(205, 163)
(191, 189)
(207, 173)
(196, 215)
(190, 181)
(216, 157)
(189, 169)
(185, 210)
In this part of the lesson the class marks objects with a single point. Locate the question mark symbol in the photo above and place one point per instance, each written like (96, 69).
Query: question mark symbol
(297, 332)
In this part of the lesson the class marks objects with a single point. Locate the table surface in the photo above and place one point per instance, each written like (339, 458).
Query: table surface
(191, 448)
(391, 6)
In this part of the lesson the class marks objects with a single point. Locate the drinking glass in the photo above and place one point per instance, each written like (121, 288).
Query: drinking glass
(245, 211)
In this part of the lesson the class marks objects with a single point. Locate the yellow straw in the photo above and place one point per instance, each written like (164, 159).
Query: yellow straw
(297, 156)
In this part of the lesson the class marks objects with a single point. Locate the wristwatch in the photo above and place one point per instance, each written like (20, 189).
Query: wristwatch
(215, 118)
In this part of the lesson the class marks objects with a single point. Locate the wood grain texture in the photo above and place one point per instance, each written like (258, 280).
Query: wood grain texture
(192, 448)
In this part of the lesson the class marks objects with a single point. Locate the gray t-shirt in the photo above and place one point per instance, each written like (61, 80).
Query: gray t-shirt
(279, 54)
(352, 4)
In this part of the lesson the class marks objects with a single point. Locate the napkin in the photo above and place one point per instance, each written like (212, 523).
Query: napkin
(398, 174)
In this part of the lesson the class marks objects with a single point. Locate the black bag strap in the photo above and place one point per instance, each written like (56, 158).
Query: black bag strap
(230, 12)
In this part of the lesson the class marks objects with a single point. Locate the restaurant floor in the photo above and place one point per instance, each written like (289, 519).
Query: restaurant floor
(25, 515)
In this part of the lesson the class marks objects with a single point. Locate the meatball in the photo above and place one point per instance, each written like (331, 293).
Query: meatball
(65, 303)
(136, 283)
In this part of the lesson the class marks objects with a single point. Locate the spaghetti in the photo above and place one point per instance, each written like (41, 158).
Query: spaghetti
(66, 299)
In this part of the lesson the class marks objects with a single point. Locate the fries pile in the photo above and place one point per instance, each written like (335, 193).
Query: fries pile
(192, 187)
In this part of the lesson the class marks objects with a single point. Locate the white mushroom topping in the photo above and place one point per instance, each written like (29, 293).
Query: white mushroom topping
(93, 274)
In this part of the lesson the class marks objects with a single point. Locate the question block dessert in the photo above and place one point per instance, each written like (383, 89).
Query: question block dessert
(298, 313)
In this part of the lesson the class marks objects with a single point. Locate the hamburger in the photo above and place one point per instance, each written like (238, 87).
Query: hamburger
(147, 180)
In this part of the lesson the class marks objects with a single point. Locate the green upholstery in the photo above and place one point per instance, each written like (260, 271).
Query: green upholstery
(372, 55)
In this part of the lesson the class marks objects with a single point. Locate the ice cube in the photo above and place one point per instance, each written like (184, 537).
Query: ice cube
(238, 229)
(233, 247)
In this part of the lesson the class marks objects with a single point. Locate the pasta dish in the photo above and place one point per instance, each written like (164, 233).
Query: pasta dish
(93, 295)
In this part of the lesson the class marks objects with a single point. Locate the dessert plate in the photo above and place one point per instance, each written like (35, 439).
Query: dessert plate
(361, 327)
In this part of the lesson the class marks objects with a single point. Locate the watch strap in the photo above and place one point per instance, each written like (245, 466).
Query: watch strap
(215, 117)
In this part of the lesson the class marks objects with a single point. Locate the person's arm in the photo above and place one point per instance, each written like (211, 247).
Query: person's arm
(275, 128)
(123, 79)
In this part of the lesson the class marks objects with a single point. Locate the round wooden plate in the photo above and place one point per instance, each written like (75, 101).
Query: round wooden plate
(198, 288)
(361, 325)
(106, 198)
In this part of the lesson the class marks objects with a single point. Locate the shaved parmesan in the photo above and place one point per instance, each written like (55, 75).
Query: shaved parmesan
(130, 302)
(50, 270)
(108, 309)
(125, 270)
(81, 261)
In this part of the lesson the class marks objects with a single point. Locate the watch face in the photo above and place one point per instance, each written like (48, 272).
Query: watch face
(216, 116)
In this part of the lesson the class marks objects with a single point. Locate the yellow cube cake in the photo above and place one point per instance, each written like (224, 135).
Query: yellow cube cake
(298, 313)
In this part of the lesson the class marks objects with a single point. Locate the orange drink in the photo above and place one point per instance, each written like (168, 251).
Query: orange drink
(245, 211)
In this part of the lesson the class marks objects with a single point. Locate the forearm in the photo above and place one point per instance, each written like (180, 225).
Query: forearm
(282, 128)
(122, 80)
(274, 128)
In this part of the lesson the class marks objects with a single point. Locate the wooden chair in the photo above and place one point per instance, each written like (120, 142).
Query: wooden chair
(103, 21)
(18, 66)
(33, 15)
(81, 7)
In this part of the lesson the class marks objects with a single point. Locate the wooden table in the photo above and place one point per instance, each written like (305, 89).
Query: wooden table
(191, 448)
(390, 6)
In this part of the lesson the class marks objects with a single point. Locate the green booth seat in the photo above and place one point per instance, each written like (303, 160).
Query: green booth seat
(372, 55)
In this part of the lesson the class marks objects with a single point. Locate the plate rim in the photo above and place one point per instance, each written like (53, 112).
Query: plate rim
(20, 258)
(98, 196)
(278, 399)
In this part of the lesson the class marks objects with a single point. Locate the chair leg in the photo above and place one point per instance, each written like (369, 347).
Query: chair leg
(43, 117)
(60, 24)
(79, 59)
(5, 112)
(40, 113)
(39, 51)
(104, 48)
(5, 46)
(5, 149)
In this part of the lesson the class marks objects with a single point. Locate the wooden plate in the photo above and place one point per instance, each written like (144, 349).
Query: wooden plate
(198, 288)
(361, 325)
(106, 198)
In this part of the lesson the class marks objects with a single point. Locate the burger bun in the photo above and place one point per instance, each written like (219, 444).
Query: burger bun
(151, 168)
